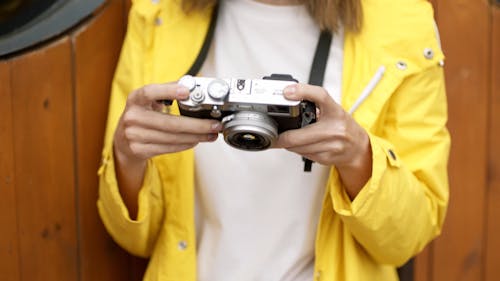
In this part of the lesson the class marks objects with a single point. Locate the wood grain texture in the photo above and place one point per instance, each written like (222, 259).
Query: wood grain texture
(434, 5)
(465, 35)
(422, 269)
(9, 246)
(128, 4)
(43, 135)
(96, 46)
(492, 243)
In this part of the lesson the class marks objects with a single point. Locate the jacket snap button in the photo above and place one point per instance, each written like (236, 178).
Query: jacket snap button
(393, 155)
(182, 245)
(401, 65)
(158, 21)
(318, 275)
(428, 53)
(155, 1)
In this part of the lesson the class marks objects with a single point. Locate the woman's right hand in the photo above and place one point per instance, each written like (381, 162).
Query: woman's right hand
(144, 131)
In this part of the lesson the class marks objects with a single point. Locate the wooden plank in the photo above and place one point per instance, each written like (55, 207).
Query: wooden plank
(423, 264)
(434, 5)
(96, 48)
(138, 267)
(464, 32)
(43, 134)
(128, 4)
(9, 255)
(492, 248)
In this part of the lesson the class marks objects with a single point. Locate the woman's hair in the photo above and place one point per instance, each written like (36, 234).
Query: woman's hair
(329, 14)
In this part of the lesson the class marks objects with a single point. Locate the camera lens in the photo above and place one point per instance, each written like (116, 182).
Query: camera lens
(250, 141)
(250, 130)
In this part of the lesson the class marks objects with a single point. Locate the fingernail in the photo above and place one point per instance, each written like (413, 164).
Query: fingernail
(290, 90)
(212, 137)
(182, 92)
(216, 127)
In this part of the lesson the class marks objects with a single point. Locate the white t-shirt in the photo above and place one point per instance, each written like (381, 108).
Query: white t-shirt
(257, 212)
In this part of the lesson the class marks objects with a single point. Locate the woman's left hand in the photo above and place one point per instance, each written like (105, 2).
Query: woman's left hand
(335, 139)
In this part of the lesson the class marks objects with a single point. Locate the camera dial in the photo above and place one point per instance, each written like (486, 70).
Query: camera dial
(218, 89)
(188, 81)
(197, 97)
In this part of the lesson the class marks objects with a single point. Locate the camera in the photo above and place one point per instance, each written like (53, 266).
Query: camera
(252, 111)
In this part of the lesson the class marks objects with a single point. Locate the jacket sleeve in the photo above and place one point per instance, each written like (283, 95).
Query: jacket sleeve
(402, 207)
(136, 236)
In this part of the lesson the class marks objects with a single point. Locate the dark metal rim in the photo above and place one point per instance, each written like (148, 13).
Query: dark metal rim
(54, 21)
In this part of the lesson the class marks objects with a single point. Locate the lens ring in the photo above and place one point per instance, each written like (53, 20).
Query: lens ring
(249, 130)
(249, 141)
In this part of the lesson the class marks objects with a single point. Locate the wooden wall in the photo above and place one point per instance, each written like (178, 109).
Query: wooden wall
(469, 247)
(53, 103)
(53, 106)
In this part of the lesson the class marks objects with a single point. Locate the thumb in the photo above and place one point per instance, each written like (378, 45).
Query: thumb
(152, 93)
(316, 94)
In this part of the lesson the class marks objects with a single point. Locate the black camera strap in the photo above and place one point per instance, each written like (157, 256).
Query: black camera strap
(202, 55)
(318, 67)
(316, 75)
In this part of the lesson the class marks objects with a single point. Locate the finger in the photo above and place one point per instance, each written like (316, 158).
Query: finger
(311, 134)
(159, 106)
(146, 151)
(170, 123)
(323, 158)
(148, 94)
(315, 94)
(149, 136)
(331, 147)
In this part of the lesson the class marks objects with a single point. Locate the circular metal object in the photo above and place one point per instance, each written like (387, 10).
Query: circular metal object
(401, 65)
(218, 89)
(216, 112)
(27, 23)
(182, 245)
(197, 96)
(428, 53)
(249, 130)
(188, 81)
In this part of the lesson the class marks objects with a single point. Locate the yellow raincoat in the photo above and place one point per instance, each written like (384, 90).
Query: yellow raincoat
(401, 208)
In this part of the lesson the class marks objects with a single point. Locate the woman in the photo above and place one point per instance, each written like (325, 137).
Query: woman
(378, 191)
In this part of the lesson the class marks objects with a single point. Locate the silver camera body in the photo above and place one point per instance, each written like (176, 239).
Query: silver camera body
(253, 111)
